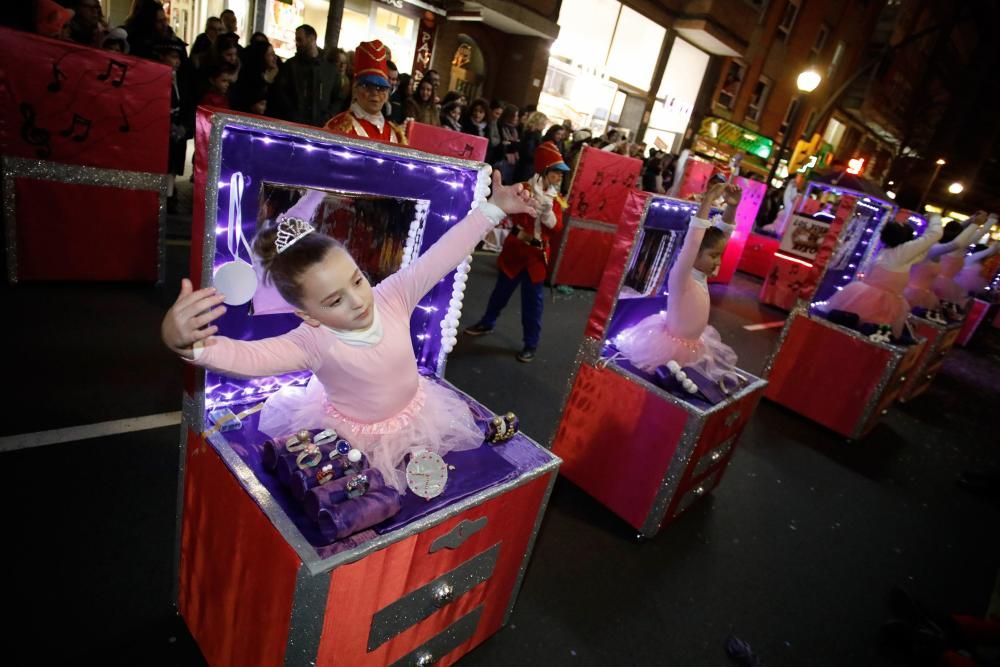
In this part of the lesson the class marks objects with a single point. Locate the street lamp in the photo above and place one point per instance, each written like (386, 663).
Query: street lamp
(806, 82)
(956, 188)
(937, 168)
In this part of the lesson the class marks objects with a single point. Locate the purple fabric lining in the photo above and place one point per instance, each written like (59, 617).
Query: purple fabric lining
(475, 471)
(303, 480)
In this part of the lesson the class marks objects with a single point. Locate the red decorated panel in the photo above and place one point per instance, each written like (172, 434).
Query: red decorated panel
(695, 178)
(788, 280)
(85, 232)
(746, 213)
(977, 313)
(621, 247)
(237, 574)
(584, 257)
(817, 362)
(617, 439)
(758, 253)
(72, 104)
(442, 141)
(601, 185)
(359, 590)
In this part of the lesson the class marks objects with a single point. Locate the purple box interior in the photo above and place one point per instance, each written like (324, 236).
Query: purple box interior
(281, 156)
(475, 471)
(873, 213)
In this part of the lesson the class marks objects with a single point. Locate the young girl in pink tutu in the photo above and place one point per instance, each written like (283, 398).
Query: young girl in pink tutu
(354, 338)
(975, 275)
(682, 333)
(955, 240)
(878, 297)
(946, 288)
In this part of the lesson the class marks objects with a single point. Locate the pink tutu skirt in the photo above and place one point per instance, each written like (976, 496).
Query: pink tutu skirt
(921, 297)
(947, 289)
(872, 304)
(436, 420)
(649, 345)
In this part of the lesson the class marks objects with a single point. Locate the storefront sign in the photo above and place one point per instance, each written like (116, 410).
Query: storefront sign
(729, 133)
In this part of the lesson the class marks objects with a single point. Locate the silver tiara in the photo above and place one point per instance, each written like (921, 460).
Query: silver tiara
(290, 230)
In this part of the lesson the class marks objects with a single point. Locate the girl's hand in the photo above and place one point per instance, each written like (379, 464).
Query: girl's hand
(187, 320)
(732, 194)
(511, 198)
(711, 196)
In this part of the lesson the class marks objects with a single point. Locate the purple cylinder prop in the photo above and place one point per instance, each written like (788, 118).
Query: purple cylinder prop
(355, 515)
(301, 481)
(325, 496)
(287, 462)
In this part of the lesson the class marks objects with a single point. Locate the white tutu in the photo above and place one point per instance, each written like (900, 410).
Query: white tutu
(436, 419)
(649, 344)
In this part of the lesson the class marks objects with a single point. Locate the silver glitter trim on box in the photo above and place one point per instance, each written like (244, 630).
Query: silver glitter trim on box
(672, 478)
(189, 412)
(305, 627)
(441, 645)
(405, 612)
(588, 353)
(875, 396)
(43, 170)
(531, 547)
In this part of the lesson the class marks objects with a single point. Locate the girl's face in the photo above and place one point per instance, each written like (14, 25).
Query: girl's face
(477, 115)
(455, 113)
(336, 293)
(270, 60)
(231, 56)
(259, 107)
(426, 91)
(710, 258)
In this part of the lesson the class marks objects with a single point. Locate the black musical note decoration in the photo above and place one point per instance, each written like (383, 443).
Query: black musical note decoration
(599, 178)
(80, 134)
(57, 78)
(35, 136)
(125, 126)
(467, 151)
(116, 65)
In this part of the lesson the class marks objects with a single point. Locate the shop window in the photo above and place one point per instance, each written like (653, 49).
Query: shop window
(838, 54)
(821, 38)
(788, 19)
(759, 98)
(635, 49)
(789, 114)
(735, 72)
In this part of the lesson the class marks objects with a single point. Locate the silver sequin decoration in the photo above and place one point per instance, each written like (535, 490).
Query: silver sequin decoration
(308, 611)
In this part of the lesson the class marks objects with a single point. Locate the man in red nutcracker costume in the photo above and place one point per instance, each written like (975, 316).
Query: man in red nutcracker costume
(371, 91)
(524, 259)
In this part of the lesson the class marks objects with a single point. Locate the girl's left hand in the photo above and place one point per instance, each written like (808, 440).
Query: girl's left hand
(511, 198)
(732, 194)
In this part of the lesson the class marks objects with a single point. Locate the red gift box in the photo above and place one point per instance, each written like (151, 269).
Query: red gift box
(940, 339)
(836, 376)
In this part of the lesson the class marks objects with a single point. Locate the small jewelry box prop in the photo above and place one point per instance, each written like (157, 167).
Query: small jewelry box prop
(832, 232)
(817, 357)
(333, 568)
(639, 442)
(601, 184)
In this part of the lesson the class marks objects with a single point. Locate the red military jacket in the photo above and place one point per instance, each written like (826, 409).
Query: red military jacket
(517, 255)
(348, 124)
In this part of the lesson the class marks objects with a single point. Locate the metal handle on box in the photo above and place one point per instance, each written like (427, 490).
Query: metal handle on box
(443, 594)
(425, 659)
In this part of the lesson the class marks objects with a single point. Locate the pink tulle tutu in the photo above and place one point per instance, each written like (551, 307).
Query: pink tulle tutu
(436, 420)
(649, 344)
(919, 293)
(877, 299)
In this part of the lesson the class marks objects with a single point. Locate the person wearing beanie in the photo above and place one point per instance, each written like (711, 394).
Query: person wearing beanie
(524, 259)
